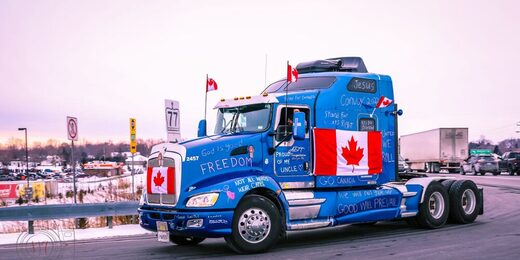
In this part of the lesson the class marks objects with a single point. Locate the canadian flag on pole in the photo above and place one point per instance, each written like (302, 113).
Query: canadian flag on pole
(160, 180)
(383, 102)
(292, 74)
(347, 153)
(211, 85)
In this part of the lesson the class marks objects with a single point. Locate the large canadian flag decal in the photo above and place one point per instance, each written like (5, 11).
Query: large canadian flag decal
(344, 153)
(160, 180)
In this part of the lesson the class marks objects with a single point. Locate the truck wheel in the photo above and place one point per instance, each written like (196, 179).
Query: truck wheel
(510, 170)
(256, 225)
(465, 201)
(496, 173)
(447, 183)
(186, 241)
(433, 212)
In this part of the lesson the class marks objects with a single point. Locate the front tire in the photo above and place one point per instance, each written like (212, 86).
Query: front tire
(256, 225)
(464, 201)
(434, 210)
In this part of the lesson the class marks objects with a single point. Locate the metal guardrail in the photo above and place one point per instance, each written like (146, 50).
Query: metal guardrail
(64, 211)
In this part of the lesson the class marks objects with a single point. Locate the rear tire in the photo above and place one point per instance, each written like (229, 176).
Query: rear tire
(447, 183)
(186, 241)
(256, 226)
(464, 201)
(434, 210)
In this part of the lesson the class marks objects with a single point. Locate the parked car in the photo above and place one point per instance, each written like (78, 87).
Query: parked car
(480, 164)
(510, 163)
(7, 178)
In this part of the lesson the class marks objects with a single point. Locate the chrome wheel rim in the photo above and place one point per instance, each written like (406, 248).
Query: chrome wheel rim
(436, 205)
(254, 225)
(468, 201)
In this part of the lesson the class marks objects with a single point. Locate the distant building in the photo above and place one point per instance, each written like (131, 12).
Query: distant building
(103, 168)
(52, 160)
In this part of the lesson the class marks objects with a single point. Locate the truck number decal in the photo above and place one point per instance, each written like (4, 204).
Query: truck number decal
(192, 158)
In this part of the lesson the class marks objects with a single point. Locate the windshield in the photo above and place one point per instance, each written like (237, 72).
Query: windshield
(250, 118)
(301, 84)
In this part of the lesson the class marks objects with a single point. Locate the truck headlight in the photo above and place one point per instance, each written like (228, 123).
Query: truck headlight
(202, 200)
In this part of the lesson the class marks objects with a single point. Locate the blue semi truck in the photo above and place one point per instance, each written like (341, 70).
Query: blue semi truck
(315, 153)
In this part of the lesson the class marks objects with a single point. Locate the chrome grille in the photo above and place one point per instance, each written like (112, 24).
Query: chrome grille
(161, 199)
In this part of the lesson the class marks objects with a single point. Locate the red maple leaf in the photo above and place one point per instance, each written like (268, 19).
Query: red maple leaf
(158, 180)
(352, 153)
(386, 102)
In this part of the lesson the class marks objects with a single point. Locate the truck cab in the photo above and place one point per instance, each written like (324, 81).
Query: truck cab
(313, 153)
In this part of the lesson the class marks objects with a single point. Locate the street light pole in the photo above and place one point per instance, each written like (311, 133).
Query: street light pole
(26, 154)
(104, 151)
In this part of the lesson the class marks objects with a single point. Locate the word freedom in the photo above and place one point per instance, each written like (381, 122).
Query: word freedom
(226, 163)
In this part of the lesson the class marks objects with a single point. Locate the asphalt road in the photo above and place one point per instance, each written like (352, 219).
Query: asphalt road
(495, 235)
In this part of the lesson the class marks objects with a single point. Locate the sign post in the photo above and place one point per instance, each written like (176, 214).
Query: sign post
(173, 127)
(72, 135)
(133, 149)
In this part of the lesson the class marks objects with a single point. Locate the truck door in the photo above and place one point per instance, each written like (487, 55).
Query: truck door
(292, 157)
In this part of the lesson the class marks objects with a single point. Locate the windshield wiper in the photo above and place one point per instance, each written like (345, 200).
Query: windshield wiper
(230, 124)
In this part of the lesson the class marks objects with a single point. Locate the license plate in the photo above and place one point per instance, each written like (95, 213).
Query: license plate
(162, 231)
(163, 236)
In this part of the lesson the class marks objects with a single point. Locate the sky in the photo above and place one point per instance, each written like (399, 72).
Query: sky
(453, 63)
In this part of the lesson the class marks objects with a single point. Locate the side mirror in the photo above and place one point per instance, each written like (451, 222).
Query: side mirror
(299, 126)
(202, 128)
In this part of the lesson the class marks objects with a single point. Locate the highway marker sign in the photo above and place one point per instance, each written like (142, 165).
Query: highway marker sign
(173, 126)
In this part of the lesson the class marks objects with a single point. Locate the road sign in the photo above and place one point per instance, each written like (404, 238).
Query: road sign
(133, 139)
(173, 126)
(72, 128)
(480, 152)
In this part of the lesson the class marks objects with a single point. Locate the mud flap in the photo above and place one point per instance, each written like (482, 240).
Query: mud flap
(481, 195)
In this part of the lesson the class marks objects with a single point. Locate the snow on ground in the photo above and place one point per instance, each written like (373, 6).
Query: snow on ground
(57, 235)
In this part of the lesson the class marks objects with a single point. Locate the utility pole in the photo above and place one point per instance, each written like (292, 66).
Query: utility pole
(27, 194)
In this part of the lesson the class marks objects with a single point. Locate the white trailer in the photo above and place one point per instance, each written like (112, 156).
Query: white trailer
(435, 150)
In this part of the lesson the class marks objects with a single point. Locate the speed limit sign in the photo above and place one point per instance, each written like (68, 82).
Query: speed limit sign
(72, 128)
